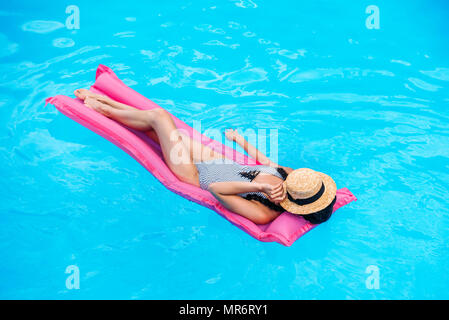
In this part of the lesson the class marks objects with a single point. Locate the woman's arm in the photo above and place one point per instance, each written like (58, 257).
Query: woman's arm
(226, 193)
(233, 135)
(235, 187)
(255, 212)
(274, 192)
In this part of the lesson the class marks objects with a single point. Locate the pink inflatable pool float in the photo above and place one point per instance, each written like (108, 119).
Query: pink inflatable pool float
(285, 229)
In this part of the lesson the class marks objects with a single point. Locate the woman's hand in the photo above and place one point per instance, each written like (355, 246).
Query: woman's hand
(275, 193)
(233, 135)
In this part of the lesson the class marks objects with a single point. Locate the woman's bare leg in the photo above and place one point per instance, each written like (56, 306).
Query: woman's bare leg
(201, 153)
(174, 148)
(198, 152)
(84, 93)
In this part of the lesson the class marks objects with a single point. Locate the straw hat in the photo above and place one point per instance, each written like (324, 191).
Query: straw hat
(308, 191)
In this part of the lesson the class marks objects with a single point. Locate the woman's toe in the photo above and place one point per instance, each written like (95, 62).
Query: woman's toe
(78, 94)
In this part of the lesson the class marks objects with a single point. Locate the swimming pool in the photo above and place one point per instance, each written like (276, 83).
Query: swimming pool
(367, 106)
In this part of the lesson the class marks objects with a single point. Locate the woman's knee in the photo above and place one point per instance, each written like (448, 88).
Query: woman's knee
(157, 116)
(159, 113)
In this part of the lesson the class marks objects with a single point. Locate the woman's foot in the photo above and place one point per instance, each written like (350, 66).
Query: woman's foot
(98, 106)
(84, 93)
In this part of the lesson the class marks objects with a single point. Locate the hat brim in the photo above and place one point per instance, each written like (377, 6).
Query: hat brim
(330, 190)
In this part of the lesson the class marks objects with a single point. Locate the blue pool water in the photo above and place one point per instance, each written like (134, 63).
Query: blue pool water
(367, 106)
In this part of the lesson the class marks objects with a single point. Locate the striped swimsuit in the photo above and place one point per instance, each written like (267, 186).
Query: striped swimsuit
(220, 171)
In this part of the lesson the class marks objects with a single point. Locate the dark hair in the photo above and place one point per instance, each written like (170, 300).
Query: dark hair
(282, 172)
(264, 201)
(322, 215)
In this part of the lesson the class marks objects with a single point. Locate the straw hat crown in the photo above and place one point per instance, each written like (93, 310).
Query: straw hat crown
(308, 191)
(303, 183)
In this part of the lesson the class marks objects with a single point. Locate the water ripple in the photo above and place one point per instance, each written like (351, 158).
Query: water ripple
(63, 43)
(7, 48)
(42, 26)
(372, 112)
(423, 84)
(438, 73)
